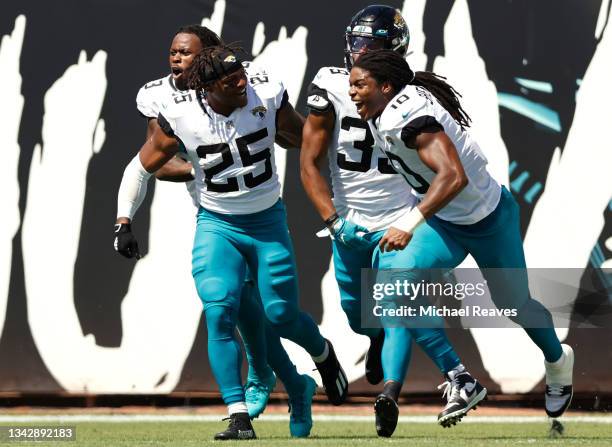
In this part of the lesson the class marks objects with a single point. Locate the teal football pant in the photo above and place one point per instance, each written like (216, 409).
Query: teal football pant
(263, 349)
(224, 245)
(397, 345)
(496, 245)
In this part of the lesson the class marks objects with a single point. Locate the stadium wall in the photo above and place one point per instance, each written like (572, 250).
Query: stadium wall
(77, 318)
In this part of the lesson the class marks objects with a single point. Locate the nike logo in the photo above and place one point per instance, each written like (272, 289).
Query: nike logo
(469, 388)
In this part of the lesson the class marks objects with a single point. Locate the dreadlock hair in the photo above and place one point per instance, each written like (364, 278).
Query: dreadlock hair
(389, 66)
(208, 67)
(208, 38)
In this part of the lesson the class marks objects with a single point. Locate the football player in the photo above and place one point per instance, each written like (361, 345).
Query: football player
(418, 121)
(227, 126)
(188, 41)
(368, 195)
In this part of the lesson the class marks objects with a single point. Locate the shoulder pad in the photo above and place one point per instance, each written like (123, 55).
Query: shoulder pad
(147, 99)
(332, 78)
(406, 105)
(267, 87)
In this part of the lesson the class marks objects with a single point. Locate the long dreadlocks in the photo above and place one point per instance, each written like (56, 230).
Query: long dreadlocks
(211, 64)
(389, 66)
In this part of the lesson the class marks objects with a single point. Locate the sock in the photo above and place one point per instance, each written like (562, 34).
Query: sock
(323, 356)
(557, 364)
(237, 407)
(392, 389)
(224, 352)
(281, 364)
(253, 337)
(456, 371)
(396, 352)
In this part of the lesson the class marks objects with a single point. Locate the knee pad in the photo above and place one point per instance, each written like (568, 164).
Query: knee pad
(280, 313)
(220, 322)
(212, 290)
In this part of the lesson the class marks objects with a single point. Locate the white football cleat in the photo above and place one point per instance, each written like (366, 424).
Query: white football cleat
(559, 389)
(463, 393)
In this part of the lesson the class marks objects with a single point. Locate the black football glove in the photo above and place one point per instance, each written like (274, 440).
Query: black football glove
(125, 241)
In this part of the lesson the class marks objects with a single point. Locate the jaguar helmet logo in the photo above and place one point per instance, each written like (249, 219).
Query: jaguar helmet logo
(398, 20)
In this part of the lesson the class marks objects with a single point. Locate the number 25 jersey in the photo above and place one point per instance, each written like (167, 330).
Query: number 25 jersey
(235, 153)
(362, 178)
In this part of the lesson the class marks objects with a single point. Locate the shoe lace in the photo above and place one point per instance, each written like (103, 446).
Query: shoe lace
(555, 390)
(451, 389)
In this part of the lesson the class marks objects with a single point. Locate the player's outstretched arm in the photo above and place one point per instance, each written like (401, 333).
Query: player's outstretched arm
(156, 151)
(289, 127)
(316, 136)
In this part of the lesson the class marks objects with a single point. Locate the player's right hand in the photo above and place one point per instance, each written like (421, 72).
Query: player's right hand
(349, 233)
(125, 241)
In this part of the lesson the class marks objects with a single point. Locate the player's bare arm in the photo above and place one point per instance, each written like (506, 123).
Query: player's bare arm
(177, 169)
(316, 136)
(438, 152)
(289, 127)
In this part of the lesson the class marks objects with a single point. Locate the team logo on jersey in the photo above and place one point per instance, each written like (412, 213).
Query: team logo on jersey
(259, 111)
(390, 140)
(230, 59)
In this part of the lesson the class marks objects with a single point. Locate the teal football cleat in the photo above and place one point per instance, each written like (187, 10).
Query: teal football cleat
(300, 409)
(257, 394)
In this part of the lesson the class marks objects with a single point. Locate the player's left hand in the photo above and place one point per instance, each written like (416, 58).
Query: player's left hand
(394, 239)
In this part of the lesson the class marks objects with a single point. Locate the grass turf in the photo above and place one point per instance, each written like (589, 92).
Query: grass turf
(272, 433)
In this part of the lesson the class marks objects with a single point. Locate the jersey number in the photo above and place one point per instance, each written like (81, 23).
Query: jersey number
(366, 146)
(248, 159)
(419, 184)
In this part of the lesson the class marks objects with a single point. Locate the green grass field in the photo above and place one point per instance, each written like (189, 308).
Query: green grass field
(275, 433)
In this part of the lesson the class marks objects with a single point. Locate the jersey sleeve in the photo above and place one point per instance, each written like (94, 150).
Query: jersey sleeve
(410, 114)
(328, 86)
(318, 99)
(269, 88)
(148, 97)
(146, 104)
(168, 125)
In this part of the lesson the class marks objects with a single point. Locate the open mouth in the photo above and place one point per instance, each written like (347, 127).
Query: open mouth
(359, 106)
(176, 71)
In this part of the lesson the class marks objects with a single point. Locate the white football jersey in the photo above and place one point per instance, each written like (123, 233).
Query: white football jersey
(414, 110)
(154, 93)
(235, 153)
(366, 188)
